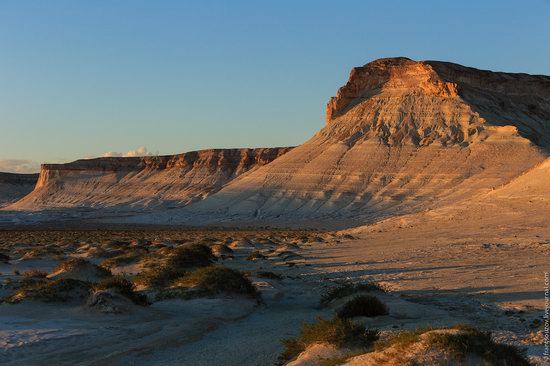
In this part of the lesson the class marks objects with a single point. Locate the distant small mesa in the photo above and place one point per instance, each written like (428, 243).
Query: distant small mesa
(14, 186)
(400, 136)
(142, 182)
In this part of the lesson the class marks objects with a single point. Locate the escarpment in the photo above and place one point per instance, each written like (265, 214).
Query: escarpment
(401, 136)
(399, 101)
(142, 182)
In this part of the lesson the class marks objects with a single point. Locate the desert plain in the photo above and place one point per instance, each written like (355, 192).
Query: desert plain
(411, 230)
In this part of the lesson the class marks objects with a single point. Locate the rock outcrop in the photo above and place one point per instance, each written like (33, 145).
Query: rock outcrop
(14, 186)
(400, 136)
(142, 182)
(399, 101)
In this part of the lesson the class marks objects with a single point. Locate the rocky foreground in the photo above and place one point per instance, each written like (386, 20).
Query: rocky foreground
(211, 297)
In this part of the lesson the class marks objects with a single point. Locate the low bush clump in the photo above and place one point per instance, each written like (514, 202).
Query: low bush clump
(464, 341)
(473, 341)
(191, 255)
(348, 289)
(34, 273)
(158, 277)
(255, 255)
(215, 280)
(120, 260)
(402, 339)
(75, 264)
(124, 287)
(116, 243)
(182, 259)
(363, 305)
(70, 264)
(338, 331)
(43, 252)
(61, 290)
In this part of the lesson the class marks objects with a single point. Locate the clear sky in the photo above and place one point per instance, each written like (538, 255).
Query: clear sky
(80, 78)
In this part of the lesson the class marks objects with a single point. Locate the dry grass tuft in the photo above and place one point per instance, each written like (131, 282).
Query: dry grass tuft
(61, 290)
(472, 341)
(340, 332)
(347, 289)
(124, 287)
(363, 305)
(190, 256)
(215, 280)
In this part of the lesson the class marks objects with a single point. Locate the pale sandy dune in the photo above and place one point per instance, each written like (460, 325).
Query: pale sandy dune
(439, 284)
(495, 252)
(33, 333)
(418, 353)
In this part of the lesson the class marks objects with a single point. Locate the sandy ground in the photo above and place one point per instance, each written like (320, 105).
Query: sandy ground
(440, 271)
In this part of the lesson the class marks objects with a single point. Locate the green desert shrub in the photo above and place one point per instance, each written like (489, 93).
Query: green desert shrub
(158, 277)
(255, 255)
(27, 282)
(402, 339)
(215, 280)
(34, 273)
(339, 332)
(182, 259)
(347, 289)
(473, 341)
(467, 341)
(124, 287)
(191, 255)
(120, 260)
(61, 290)
(363, 305)
(73, 264)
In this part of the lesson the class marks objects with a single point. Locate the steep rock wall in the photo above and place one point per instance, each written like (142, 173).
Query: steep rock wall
(142, 182)
(400, 136)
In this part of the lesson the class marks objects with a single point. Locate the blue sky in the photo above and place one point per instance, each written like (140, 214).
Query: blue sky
(81, 78)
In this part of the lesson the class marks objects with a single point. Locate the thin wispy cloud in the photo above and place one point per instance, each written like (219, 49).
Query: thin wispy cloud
(19, 166)
(140, 151)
